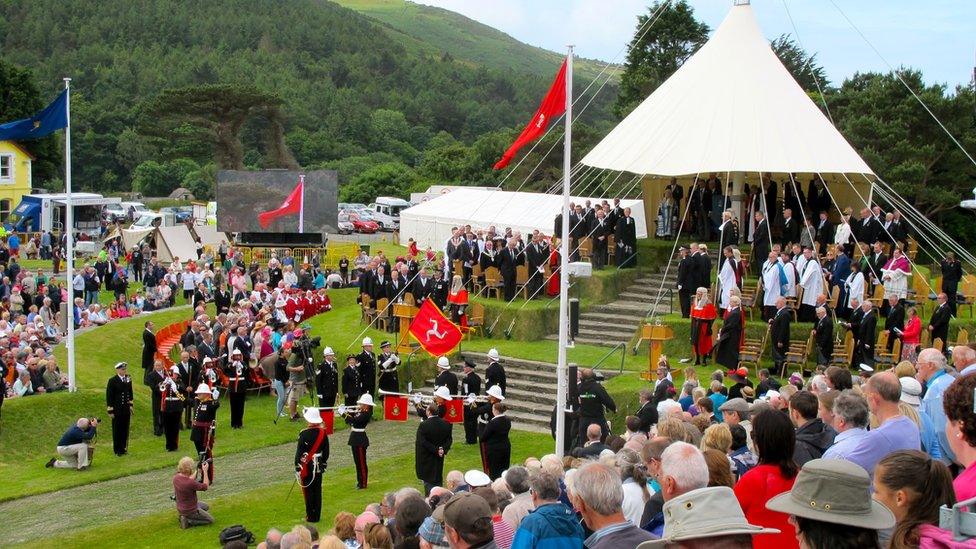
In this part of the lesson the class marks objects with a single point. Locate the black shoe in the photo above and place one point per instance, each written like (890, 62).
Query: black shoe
(50, 463)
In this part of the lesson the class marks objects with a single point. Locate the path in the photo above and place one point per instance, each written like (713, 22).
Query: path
(116, 500)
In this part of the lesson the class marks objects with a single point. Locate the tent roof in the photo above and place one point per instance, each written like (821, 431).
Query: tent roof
(209, 235)
(731, 107)
(175, 241)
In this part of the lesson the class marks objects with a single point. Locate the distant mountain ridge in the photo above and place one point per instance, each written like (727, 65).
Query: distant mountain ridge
(437, 31)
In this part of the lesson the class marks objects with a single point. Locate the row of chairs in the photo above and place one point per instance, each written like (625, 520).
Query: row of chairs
(380, 313)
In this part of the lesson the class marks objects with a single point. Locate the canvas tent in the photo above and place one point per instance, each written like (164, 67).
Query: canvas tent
(170, 241)
(735, 110)
(210, 236)
(430, 223)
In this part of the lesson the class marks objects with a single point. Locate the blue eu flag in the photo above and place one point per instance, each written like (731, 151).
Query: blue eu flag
(44, 123)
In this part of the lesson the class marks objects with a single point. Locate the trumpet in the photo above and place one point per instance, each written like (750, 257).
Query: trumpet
(418, 399)
(342, 409)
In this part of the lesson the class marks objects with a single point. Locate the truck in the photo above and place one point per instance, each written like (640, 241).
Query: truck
(47, 212)
(386, 212)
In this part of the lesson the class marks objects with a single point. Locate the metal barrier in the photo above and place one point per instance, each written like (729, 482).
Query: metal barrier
(327, 257)
(622, 347)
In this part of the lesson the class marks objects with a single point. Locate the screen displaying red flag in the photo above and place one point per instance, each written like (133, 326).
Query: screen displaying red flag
(291, 205)
(328, 420)
(553, 104)
(455, 411)
(395, 408)
(436, 334)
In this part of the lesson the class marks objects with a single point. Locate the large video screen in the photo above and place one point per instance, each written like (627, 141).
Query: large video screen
(252, 201)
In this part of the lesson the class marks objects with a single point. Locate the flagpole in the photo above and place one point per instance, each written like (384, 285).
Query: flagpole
(561, 366)
(301, 210)
(69, 252)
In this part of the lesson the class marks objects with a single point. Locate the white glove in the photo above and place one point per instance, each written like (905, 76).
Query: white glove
(342, 409)
(470, 399)
(216, 393)
(396, 359)
(416, 399)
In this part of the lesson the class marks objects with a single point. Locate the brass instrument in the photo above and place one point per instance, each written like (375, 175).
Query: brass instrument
(173, 387)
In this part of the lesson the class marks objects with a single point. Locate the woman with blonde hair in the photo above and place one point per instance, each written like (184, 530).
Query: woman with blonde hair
(717, 437)
(634, 479)
(703, 314)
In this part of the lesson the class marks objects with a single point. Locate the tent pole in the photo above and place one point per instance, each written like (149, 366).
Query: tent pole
(561, 381)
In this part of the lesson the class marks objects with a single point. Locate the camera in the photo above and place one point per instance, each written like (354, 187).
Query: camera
(94, 420)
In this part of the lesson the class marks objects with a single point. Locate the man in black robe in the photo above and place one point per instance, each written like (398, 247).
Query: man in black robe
(434, 438)
(730, 335)
(625, 238)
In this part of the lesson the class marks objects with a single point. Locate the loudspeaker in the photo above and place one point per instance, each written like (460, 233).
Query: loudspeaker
(574, 313)
(572, 393)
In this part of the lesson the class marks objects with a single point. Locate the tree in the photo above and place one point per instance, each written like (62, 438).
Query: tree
(901, 142)
(656, 52)
(150, 178)
(20, 98)
(804, 68)
(217, 113)
(388, 179)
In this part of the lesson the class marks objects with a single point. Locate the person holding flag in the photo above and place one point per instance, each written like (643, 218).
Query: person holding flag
(311, 456)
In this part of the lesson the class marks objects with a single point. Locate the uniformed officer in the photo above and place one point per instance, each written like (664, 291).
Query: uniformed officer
(484, 415)
(441, 396)
(434, 438)
(171, 407)
(358, 441)
(205, 426)
(470, 386)
(494, 373)
(118, 399)
(236, 372)
(367, 368)
(388, 362)
(446, 378)
(310, 462)
(350, 381)
(327, 379)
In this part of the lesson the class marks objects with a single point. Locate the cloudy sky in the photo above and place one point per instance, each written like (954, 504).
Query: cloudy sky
(938, 36)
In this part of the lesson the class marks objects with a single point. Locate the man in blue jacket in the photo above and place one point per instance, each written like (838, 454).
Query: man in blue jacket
(551, 525)
(74, 446)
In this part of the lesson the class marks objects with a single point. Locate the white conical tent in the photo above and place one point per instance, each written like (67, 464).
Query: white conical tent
(732, 107)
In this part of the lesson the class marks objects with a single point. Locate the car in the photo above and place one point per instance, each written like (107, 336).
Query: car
(180, 213)
(345, 226)
(362, 225)
(114, 212)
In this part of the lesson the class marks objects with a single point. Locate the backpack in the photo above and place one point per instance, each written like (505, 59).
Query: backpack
(236, 532)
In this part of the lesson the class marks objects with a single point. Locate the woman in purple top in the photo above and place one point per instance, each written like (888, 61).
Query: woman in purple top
(961, 432)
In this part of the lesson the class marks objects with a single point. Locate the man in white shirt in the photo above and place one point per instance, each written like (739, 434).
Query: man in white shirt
(811, 279)
(771, 285)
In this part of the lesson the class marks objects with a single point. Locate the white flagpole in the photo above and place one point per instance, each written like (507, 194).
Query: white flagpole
(561, 366)
(69, 252)
(301, 210)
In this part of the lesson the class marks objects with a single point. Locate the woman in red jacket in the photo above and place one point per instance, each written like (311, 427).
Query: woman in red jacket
(457, 300)
(774, 439)
(703, 314)
(910, 336)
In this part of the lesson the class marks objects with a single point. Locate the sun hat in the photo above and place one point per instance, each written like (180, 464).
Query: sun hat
(704, 513)
(911, 391)
(835, 491)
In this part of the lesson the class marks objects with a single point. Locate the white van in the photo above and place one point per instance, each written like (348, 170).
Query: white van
(386, 212)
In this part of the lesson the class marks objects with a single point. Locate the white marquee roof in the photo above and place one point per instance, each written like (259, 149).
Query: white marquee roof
(732, 107)
(430, 222)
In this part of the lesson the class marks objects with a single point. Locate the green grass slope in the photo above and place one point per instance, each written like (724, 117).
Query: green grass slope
(438, 31)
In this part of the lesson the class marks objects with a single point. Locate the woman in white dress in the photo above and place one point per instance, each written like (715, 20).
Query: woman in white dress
(842, 235)
(854, 285)
(726, 278)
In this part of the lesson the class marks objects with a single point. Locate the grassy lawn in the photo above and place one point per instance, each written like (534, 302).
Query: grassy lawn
(259, 510)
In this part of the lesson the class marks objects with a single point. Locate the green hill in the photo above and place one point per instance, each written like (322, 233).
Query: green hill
(439, 31)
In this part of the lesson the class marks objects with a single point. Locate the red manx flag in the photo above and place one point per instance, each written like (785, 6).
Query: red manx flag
(291, 205)
(455, 411)
(552, 106)
(436, 334)
(395, 408)
(328, 420)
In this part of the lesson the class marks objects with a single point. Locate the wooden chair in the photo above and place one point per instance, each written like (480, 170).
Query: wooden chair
(882, 356)
(382, 313)
(797, 355)
(938, 343)
(476, 319)
(258, 381)
(522, 280)
(962, 338)
(925, 340)
(369, 313)
(493, 282)
(748, 296)
(457, 267)
(586, 249)
(752, 350)
(408, 299)
(877, 298)
(843, 352)
(967, 293)
(611, 250)
(476, 274)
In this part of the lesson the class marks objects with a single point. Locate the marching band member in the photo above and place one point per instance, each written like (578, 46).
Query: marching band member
(310, 462)
(470, 386)
(357, 419)
(494, 373)
(171, 407)
(367, 368)
(236, 372)
(446, 378)
(327, 379)
(388, 362)
(205, 426)
(350, 381)
(484, 414)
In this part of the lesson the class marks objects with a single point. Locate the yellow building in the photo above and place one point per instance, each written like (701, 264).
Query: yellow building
(15, 176)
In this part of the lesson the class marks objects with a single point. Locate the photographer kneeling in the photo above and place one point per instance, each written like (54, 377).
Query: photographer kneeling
(74, 446)
(192, 512)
